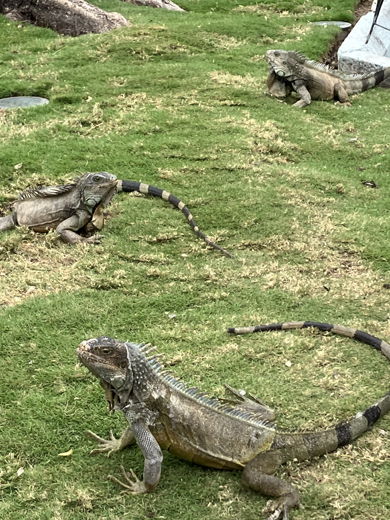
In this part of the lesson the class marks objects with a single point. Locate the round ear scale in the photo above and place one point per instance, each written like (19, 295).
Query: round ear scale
(117, 382)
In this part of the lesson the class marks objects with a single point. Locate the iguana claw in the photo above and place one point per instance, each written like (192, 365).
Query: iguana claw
(134, 485)
(277, 511)
(106, 446)
(93, 240)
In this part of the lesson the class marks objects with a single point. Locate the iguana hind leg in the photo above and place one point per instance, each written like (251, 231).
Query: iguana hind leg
(7, 222)
(341, 94)
(258, 475)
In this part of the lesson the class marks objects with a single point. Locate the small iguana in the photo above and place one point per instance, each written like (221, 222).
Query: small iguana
(164, 412)
(80, 206)
(290, 70)
(70, 208)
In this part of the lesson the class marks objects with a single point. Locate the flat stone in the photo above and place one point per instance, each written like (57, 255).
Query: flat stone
(357, 56)
(342, 25)
(22, 102)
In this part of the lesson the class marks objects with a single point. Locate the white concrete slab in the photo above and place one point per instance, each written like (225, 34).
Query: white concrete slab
(357, 56)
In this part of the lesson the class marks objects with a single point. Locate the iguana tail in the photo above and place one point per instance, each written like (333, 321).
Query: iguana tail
(366, 81)
(129, 186)
(303, 446)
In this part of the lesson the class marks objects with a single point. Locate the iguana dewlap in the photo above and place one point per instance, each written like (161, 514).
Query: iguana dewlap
(67, 209)
(165, 413)
(290, 70)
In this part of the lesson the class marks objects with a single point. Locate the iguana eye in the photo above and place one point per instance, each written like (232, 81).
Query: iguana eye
(106, 350)
(96, 178)
(277, 54)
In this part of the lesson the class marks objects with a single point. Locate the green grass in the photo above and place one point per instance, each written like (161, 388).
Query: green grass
(177, 100)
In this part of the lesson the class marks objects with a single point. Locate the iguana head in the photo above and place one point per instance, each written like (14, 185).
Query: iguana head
(98, 187)
(107, 359)
(285, 64)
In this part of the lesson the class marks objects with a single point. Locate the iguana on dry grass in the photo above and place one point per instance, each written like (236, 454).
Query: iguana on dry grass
(79, 206)
(290, 70)
(68, 209)
(163, 412)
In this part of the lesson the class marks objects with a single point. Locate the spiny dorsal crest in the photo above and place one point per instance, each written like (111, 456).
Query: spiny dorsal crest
(304, 60)
(40, 192)
(194, 392)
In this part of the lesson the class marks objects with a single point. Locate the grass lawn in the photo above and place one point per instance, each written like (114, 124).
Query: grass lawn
(177, 100)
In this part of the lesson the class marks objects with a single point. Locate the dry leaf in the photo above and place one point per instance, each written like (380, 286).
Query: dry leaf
(66, 454)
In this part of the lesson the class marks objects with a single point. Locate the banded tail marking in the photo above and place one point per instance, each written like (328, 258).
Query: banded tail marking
(317, 443)
(147, 189)
(367, 81)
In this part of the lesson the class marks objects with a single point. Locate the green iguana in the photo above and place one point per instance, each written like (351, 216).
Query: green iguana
(79, 206)
(165, 413)
(290, 70)
(70, 208)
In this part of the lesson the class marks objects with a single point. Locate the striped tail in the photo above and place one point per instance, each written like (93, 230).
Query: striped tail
(303, 446)
(363, 83)
(129, 186)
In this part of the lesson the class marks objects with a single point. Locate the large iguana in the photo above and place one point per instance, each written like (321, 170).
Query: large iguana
(290, 70)
(79, 206)
(163, 412)
(70, 208)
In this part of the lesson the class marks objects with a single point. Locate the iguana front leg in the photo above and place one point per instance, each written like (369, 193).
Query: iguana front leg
(152, 465)
(258, 475)
(67, 229)
(300, 88)
(112, 445)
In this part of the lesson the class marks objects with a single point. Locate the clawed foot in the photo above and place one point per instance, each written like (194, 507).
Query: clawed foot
(105, 446)
(277, 507)
(134, 485)
(95, 239)
(343, 103)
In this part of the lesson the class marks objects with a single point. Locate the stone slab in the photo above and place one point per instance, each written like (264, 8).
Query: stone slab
(357, 56)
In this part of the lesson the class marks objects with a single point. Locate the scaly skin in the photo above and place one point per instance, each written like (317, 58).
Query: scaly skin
(67, 209)
(290, 70)
(80, 206)
(164, 413)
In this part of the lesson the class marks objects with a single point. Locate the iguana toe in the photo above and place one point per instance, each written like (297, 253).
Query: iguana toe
(277, 507)
(93, 240)
(105, 446)
(134, 485)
